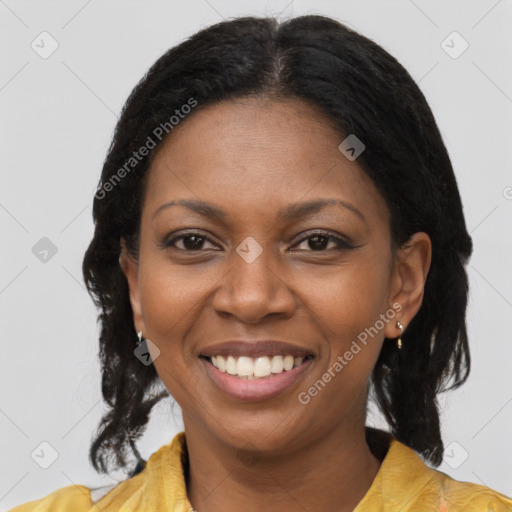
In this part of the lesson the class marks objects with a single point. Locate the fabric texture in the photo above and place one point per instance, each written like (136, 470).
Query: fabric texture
(403, 483)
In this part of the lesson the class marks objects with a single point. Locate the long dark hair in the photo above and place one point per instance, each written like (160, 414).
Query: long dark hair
(363, 90)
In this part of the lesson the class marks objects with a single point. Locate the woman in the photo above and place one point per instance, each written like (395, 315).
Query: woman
(278, 237)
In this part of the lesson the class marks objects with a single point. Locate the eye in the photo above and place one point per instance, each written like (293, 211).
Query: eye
(320, 240)
(317, 242)
(190, 242)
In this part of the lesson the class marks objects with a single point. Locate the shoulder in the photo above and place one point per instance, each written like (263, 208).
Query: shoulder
(408, 480)
(159, 483)
(447, 494)
(72, 497)
(468, 496)
(79, 498)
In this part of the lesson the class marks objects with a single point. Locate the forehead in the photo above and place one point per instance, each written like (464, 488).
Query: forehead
(258, 155)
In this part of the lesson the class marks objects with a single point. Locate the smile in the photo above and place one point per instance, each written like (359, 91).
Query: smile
(255, 367)
(253, 379)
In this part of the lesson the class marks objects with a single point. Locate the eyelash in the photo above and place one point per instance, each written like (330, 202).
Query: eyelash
(341, 244)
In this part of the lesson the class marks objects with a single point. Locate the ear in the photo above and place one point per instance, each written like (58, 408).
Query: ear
(410, 269)
(131, 271)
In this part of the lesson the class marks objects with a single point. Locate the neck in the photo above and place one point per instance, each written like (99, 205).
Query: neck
(331, 474)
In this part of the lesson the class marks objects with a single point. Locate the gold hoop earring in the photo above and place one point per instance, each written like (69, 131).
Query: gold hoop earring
(399, 340)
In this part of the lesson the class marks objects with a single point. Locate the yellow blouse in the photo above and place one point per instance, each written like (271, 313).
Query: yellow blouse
(403, 483)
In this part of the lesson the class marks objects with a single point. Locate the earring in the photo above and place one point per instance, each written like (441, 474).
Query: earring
(399, 340)
(139, 336)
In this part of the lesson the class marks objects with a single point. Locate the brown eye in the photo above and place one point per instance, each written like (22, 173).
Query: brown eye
(190, 242)
(319, 241)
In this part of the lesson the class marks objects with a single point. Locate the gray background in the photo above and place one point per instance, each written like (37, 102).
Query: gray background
(57, 117)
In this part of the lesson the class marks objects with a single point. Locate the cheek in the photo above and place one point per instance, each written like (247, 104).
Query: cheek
(347, 308)
(348, 299)
(170, 295)
(169, 299)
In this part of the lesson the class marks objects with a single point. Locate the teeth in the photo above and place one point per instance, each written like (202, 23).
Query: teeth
(252, 368)
(231, 365)
(221, 363)
(288, 363)
(277, 364)
(262, 367)
(244, 366)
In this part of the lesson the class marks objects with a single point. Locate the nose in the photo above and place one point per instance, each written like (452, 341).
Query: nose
(252, 290)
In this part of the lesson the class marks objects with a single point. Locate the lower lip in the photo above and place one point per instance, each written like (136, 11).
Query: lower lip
(255, 389)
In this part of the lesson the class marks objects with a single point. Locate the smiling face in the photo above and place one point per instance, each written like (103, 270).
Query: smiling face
(253, 272)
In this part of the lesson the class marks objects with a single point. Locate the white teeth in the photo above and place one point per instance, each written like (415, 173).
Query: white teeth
(277, 364)
(253, 368)
(244, 366)
(221, 363)
(288, 362)
(262, 367)
(230, 365)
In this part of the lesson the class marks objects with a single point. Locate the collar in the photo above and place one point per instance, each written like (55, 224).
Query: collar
(400, 479)
(404, 482)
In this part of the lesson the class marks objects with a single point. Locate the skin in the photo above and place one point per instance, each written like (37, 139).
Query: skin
(251, 158)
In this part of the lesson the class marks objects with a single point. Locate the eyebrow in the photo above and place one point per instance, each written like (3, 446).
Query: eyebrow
(287, 213)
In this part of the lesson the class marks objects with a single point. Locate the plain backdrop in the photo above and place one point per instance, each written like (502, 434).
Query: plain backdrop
(57, 117)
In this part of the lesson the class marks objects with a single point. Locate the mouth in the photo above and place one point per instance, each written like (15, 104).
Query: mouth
(248, 373)
(250, 368)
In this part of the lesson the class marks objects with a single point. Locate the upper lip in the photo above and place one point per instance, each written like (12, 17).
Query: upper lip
(255, 349)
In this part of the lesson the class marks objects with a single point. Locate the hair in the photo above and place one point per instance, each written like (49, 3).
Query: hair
(362, 90)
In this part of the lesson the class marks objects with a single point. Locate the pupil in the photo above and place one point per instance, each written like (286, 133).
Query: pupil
(195, 245)
(317, 242)
(314, 244)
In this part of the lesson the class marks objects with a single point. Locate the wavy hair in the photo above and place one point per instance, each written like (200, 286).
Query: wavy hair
(362, 90)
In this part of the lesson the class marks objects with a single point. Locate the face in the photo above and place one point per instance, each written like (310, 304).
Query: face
(316, 279)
